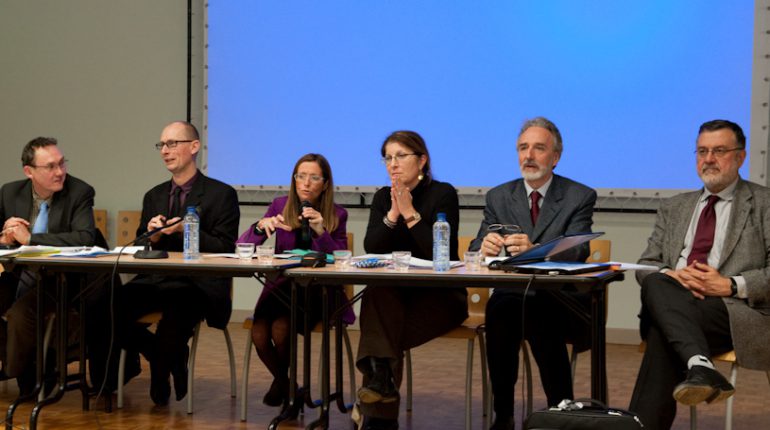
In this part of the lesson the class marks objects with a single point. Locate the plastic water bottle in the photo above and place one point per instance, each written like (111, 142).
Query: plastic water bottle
(441, 243)
(191, 224)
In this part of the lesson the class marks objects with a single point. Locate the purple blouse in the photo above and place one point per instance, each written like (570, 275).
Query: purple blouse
(286, 240)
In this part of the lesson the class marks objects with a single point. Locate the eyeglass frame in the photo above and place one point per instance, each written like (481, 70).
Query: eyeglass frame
(718, 152)
(388, 159)
(52, 166)
(504, 228)
(171, 144)
(301, 177)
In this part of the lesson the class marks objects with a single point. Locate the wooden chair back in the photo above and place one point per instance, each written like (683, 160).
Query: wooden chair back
(128, 223)
(600, 251)
(477, 297)
(100, 219)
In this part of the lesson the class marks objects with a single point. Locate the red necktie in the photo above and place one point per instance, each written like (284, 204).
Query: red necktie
(704, 233)
(534, 211)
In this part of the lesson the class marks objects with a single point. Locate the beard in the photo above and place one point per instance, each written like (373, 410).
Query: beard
(715, 179)
(529, 175)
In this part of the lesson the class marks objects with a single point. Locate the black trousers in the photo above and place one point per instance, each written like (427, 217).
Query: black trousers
(548, 325)
(183, 306)
(676, 326)
(394, 320)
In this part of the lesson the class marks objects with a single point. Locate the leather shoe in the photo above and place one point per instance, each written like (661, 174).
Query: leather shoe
(278, 392)
(372, 423)
(380, 387)
(703, 384)
(503, 423)
(179, 374)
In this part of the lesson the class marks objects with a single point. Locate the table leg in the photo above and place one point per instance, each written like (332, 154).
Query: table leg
(598, 345)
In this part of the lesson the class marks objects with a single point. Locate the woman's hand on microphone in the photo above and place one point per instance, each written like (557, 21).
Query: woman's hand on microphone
(314, 218)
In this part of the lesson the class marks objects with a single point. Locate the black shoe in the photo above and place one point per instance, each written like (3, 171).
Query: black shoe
(179, 374)
(372, 423)
(160, 388)
(380, 387)
(291, 412)
(703, 384)
(278, 392)
(503, 423)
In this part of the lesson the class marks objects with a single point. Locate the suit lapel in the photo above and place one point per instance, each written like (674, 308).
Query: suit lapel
(56, 213)
(23, 202)
(742, 205)
(679, 225)
(549, 209)
(196, 193)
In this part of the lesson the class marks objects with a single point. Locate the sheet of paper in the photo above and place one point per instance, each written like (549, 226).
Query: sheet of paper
(80, 251)
(130, 250)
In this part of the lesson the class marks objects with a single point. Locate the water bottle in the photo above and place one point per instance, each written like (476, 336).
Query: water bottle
(441, 243)
(191, 224)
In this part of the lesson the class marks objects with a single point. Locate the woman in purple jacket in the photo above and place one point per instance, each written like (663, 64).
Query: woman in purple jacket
(311, 197)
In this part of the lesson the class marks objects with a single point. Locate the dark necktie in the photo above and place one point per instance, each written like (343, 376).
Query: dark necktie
(704, 233)
(176, 210)
(534, 211)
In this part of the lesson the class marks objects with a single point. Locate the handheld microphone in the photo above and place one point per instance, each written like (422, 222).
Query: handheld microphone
(147, 253)
(306, 223)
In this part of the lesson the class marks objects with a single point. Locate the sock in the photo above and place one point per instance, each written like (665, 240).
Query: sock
(699, 360)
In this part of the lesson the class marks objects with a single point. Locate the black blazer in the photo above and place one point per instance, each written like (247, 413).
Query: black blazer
(219, 214)
(70, 219)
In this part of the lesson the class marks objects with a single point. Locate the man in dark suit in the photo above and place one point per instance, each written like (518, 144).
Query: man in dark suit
(543, 206)
(184, 301)
(48, 208)
(711, 293)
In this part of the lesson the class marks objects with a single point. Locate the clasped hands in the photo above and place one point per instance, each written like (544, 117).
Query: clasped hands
(513, 243)
(400, 201)
(159, 221)
(702, 280)
(314, 218)
(15, 230)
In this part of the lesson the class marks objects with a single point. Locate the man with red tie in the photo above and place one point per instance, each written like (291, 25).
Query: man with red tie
(711, 293)
(542, 206)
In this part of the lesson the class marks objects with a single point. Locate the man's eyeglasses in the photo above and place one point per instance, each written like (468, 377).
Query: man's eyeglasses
(504, 229)
(718, 152)
(388, 159)
(302, 177)
(170, 144)
(50, 167)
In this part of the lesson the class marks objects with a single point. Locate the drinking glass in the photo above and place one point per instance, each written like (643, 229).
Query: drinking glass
(401, 260)
(265, 254)
(342, 259)
(245, 251)
(472, 261)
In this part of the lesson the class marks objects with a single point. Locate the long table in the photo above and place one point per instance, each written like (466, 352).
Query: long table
(594, 283)
(174, 265)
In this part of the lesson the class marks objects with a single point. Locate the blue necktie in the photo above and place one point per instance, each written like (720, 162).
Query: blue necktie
(41, 223)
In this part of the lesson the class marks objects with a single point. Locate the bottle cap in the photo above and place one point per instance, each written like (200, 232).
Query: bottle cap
(441, 216)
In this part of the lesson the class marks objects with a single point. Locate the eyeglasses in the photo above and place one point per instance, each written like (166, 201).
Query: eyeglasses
(50, 167)
(718, 152)
(302, 177)
(170, 144)
(503, 229)
(388, 159)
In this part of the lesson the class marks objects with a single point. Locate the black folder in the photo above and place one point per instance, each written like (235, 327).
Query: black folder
(537, 259)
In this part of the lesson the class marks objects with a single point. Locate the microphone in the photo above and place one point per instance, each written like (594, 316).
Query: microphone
(305, 223)
(147, 253)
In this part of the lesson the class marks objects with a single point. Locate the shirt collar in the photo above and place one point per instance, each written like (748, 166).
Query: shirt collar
(542, 190)
(727, 194)
(187, 186)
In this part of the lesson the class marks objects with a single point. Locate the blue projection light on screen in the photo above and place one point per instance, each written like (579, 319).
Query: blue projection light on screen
(627, 83)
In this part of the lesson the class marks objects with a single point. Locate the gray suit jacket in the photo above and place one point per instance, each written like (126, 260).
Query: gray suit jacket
(567, 208)
(745, 252)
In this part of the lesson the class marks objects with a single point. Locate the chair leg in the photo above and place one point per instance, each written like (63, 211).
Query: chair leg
(729, 402)
(469, 385)
(485, 400)
(351, 364)
(573, 363)
(191, 368)
(408, 362)
(528, 377)
(245, 382)
(231, 356)
(121, 376)
(693, 418)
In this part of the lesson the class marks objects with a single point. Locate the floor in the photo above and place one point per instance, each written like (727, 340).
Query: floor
(439, 369)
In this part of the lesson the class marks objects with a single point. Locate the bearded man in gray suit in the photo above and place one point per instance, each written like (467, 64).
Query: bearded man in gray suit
(711, 293)
(544, 206)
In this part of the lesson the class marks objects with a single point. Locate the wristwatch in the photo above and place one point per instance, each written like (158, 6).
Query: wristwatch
(733, 287)
(415, 217)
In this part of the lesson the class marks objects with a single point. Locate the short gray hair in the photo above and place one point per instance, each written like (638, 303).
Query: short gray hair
(545, 123)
